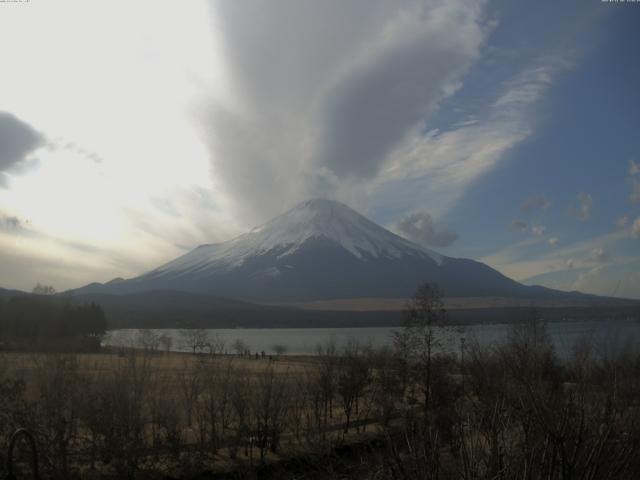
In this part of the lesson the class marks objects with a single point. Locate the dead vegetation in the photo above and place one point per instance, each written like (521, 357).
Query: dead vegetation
(510, 412)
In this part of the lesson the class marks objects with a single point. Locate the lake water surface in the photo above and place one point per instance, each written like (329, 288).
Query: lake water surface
(606, 336)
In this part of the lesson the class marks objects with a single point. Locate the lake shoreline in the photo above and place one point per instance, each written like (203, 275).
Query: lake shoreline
(605, 334)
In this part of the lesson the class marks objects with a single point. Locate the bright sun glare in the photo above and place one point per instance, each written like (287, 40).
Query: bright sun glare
(112, 145)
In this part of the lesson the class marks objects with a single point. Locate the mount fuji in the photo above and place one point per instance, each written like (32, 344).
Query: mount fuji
(320, 250)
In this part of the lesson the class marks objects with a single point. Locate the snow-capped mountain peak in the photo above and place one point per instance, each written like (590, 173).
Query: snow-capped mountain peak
(285, 234)
(335, 221)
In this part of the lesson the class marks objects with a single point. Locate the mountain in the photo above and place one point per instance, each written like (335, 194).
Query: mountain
(319, 250)
(7, 294)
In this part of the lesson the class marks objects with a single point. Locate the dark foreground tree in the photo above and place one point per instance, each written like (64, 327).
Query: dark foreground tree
(425, 330)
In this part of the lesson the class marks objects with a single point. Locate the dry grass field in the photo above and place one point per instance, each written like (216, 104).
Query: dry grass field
(510, 412)
(168, 367)
(127, 411)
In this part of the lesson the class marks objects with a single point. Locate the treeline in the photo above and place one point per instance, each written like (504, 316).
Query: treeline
(46, 321)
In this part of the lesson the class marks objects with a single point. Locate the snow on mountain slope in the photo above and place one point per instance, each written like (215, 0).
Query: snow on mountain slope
(286, 234)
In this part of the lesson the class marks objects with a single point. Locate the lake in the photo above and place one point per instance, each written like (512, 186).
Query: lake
(606, 336)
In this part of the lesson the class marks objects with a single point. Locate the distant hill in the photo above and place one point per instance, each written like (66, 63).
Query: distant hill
(171, 309)
(6, 294)
(464, 303)
(174, 309)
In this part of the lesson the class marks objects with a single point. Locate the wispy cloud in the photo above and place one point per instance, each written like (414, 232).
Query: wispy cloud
(10, 223)
(583, 206)
(634, 196)
(635, 228)
(617, 280)
(442, 164)
(535, 203)
(599, 255)
(538, 230)
(622, 221)
(520, 262)
(518, 225)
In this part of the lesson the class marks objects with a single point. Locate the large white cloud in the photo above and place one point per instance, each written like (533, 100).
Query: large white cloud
(328, 89)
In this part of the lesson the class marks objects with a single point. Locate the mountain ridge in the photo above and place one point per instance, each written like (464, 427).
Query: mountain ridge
(319, 250)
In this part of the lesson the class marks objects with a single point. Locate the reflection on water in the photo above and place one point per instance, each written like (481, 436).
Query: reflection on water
(606, 336)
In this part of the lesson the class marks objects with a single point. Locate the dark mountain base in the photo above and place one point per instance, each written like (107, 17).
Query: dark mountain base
(185, 310)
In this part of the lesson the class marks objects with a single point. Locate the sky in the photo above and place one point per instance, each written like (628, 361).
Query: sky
(503, 131)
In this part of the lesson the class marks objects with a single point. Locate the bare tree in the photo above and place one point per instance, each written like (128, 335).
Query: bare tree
(40, 289)
(59, 404)
(195, 339)
(216, 344)
(327, 366)
(304, 412)
(216, 405)
(353, 377)
(190, 381)
(166, 341)
(269, 406)
(148, 340)
(239, 346)
(279, 349)
(387, 386)
(240, 403)
(114, 413)
(423, 333)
